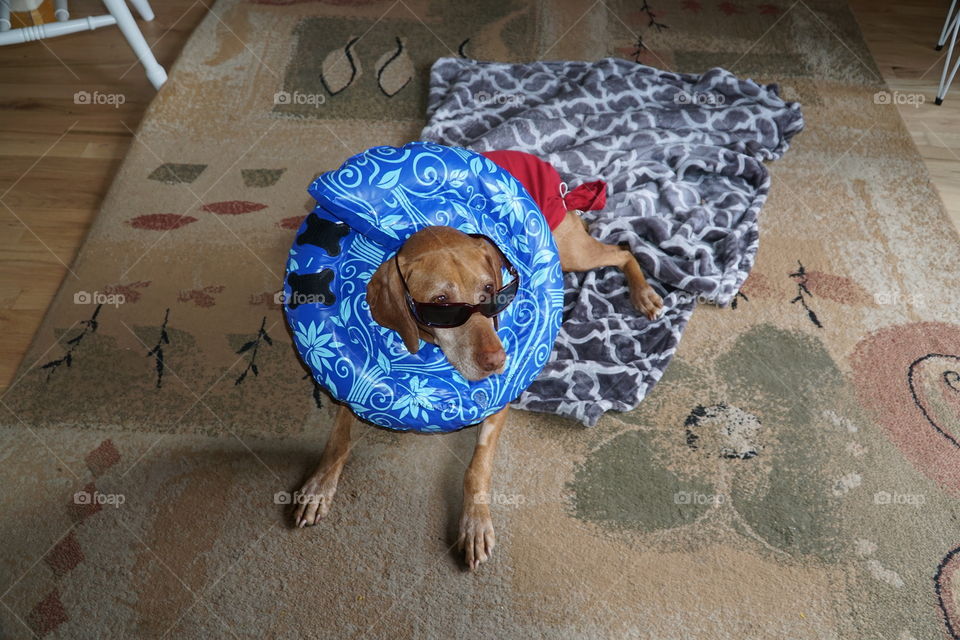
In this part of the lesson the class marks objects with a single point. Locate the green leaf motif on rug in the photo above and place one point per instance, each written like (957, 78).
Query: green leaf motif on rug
(174, 173)
(334, 74)
(623, 484)
(260, 177)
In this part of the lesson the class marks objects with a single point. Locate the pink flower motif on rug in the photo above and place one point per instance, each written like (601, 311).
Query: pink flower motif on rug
(758, 285)
(47, 615)
(66, 555)
(128, 291)
(102, 458)
(907, 377)
(293, 222)
(729, 8)
(160, 221)
(838, 288)
(82, 506)
(233, 207)
(201, 297)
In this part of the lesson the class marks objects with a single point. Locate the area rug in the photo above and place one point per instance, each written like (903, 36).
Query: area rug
(794, 474)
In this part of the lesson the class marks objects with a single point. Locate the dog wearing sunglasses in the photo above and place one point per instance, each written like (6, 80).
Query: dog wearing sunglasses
(445, 287)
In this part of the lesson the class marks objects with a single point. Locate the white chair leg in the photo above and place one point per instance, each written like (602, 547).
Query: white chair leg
(946, 26)
(155, 73)
(60, 10)
(946, 76)
(146, 12)
(5, 15)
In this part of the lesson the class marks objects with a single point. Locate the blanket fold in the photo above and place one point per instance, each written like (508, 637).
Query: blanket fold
(682, 156)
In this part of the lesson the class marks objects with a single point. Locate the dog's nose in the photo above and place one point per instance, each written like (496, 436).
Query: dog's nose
(491, 360)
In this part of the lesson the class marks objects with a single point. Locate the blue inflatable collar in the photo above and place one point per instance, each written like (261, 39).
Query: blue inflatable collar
(365, 211)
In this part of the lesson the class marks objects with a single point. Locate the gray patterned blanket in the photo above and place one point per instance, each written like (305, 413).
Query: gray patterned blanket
(683, 159)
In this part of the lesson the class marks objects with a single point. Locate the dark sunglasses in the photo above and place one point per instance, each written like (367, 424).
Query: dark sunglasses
(445, 315)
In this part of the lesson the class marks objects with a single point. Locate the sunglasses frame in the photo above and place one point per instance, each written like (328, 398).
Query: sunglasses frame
(415, 306)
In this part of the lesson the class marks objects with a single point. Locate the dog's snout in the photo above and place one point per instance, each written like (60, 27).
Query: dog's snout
(491, 360)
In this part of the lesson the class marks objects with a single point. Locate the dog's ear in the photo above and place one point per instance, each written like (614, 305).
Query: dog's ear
(388, 306)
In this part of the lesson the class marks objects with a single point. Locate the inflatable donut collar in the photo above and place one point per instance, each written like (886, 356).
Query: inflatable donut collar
(365, 211)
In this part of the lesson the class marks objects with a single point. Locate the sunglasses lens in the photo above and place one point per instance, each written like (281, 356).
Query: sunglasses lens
(501, 299)
(443, 316)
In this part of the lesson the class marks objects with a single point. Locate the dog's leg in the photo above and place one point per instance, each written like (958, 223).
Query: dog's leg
(476, 527)
(316, 495)
(579, 251)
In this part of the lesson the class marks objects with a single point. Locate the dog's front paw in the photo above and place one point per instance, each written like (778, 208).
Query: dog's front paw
(476, 534)
(647, 301)
(313, 501)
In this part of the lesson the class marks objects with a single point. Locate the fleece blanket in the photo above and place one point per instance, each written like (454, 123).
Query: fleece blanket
(683, 159)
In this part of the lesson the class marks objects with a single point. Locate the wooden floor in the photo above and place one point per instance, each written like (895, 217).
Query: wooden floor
(57, 158)
(901, 35)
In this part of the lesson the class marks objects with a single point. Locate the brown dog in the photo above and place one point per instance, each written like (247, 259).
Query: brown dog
(441, 264)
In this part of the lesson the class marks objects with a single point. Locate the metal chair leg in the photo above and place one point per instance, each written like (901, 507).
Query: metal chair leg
(946, 26)
(947, 75)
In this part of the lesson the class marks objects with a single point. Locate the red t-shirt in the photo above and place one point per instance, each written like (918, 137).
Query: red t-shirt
(543, 183)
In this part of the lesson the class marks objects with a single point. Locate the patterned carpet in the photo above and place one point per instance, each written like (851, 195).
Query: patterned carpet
(794, 475)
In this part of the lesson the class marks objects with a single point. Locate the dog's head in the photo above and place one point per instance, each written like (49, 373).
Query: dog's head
(442, 265)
